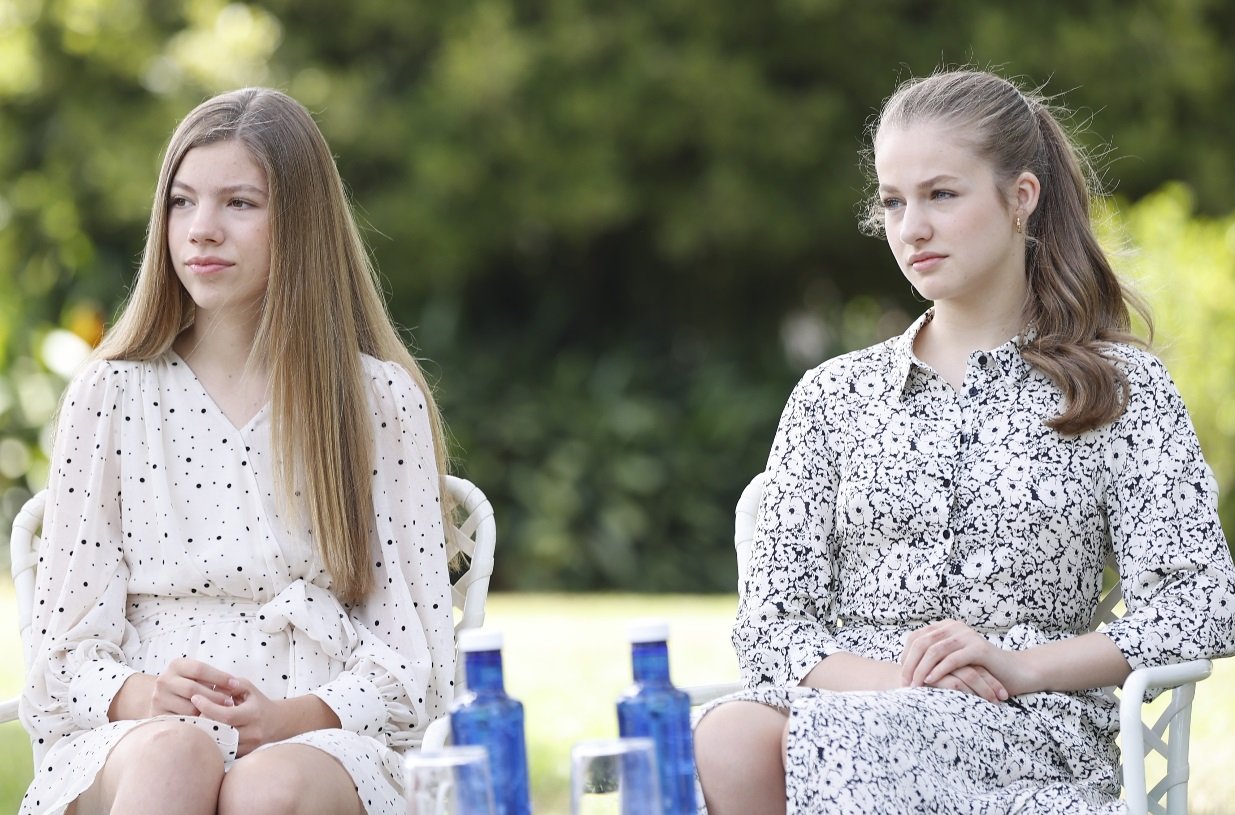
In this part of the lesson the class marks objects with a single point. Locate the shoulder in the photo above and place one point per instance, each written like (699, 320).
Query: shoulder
(1144, 369)
(1150, 386)
(392, 385)
(388, 374)
(104, 376)
(1134, 361)
(867, 371)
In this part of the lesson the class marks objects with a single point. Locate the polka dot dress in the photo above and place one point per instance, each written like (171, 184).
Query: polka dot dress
(894, 500)
(164, 538)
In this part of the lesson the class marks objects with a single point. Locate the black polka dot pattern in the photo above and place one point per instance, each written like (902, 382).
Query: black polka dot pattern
(894, 500)
(164, 537)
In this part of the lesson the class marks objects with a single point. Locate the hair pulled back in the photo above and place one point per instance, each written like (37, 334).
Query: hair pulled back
(1075, 302)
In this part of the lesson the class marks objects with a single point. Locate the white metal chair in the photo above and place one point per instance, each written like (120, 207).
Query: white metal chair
(1168, 735)
(470, 545)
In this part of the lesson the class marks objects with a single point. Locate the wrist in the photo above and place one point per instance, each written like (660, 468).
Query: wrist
(1028, 676)
(133, 700)
(302, 714)
(843, 671)
(291, 720)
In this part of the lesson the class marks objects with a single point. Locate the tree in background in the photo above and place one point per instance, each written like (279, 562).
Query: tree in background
(619, 231)
(1185, 266)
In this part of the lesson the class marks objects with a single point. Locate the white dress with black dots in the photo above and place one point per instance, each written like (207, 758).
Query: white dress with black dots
(164, 538)
(894, 501)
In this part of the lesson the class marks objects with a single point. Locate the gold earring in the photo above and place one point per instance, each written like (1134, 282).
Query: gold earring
(1018, 225)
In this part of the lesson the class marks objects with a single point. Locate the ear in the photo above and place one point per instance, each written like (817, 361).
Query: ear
(1026, 190)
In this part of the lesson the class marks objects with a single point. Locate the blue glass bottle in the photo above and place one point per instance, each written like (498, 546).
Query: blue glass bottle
(486, 716)
(652, 707)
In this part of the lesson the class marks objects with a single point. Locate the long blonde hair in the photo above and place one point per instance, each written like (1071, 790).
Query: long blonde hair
(322, 309)
(1075, 303)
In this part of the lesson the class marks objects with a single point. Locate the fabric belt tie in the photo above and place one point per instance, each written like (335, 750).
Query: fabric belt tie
(304, 609)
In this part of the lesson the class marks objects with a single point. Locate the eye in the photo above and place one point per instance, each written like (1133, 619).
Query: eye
(240, 203)
(942, 195)
(890, 203)
(177, 202)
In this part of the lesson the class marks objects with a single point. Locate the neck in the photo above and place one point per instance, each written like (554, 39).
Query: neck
(966, 331)
(953, 333)
(216, 341)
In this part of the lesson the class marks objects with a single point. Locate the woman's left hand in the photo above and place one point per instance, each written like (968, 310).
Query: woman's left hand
(943, 649)
(258, 718)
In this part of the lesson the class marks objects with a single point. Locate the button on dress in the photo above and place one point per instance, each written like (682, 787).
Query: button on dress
(894, 500)
(165, 537)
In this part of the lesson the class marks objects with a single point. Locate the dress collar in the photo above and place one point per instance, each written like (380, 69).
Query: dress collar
(1004, 362)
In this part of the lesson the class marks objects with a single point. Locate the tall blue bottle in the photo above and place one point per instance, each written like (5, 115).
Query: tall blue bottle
(652, 707)
(486, 716)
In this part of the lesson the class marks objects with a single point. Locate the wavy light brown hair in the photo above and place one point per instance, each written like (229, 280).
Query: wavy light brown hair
(1075, 303)
(322, 309)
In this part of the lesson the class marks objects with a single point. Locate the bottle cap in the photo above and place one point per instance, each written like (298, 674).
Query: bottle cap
(649, 631)
(480, 639)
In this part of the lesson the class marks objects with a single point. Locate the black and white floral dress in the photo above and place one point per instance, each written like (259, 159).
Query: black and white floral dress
(894, 500)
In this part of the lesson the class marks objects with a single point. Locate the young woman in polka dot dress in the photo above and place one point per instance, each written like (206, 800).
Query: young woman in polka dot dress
(929, 549)
(243, 604)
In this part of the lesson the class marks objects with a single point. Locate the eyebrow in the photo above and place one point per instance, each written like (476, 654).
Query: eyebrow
(930, 182)
(231, 189)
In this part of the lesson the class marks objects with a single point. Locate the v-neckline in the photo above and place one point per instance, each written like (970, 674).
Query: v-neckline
(244, 428)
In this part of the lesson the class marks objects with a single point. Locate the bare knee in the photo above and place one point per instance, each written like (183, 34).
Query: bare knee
(154, 765)
(261, 783)
(727, 734)
(739, 752)
(168, 744)
(287, 780)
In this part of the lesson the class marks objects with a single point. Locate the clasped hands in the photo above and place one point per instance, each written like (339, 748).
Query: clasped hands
(189, 687)
(950, 654)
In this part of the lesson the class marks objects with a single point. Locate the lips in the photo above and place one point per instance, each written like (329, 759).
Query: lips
(925, 261)
(207, 264)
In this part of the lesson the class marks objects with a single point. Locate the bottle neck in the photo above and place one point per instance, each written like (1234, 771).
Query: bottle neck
(484, 670)
(650, 661)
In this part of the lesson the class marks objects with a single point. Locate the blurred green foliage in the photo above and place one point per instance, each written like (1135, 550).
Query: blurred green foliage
(1185, 266)
(619, 231)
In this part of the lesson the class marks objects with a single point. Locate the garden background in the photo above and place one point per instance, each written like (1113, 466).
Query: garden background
(617, 232)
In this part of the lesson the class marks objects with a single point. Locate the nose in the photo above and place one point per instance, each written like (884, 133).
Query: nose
(914, 226)
(204, 228)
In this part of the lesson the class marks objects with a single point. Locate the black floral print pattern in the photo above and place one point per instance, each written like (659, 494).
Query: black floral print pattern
(894, 500)
(164, 537)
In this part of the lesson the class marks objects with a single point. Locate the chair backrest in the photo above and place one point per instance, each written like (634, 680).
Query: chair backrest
(24, 555)
(470, 544)
(744, 517)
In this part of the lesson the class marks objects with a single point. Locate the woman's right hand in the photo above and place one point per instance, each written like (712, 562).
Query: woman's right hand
(182, 680)
(142, 695)
(848, 672)
(951, 654)
(973, 679)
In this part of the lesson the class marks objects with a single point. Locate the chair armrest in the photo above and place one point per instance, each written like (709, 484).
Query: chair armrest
(436, 734)
(8, 711)
(1182, 678)
(702, 694)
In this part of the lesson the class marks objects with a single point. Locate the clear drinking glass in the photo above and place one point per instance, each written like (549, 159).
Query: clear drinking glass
(614, 777)
(450, 781)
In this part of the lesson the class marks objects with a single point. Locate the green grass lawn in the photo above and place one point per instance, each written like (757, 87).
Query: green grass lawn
(567, 659)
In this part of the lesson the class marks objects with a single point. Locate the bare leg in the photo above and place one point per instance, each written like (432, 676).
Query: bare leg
(289, 779)
(160, 767)
(739, 751)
